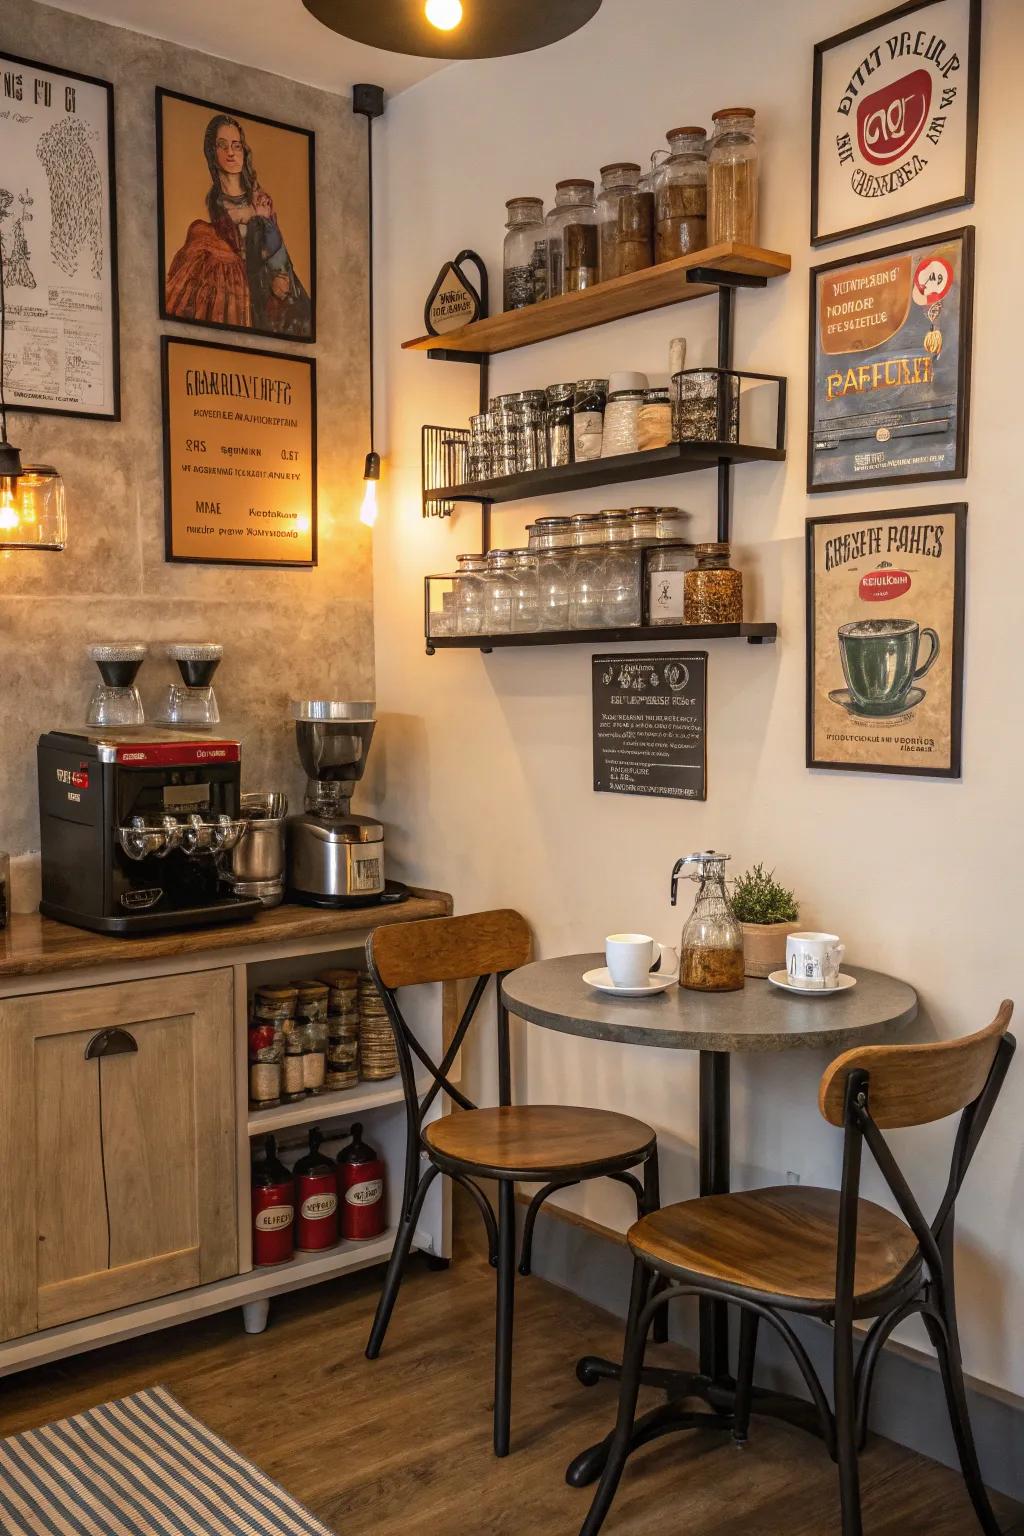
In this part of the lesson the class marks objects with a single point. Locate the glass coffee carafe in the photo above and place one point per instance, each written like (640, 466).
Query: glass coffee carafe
(711, 947)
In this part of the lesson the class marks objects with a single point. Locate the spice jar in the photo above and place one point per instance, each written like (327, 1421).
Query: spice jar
(525, 233)
(264, 1065)
(342, 1067)
(625, 215)
(588, 408)
(470, 587)
(681, 196)
(621, 423)
(666, 603)
(713, 591)
(293, 1086)
(559, 424)
(313, 1033)
(732, 178)
(654, 423)
(572, 238)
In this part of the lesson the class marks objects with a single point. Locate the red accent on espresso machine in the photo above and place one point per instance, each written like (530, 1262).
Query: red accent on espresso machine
(361, 1187)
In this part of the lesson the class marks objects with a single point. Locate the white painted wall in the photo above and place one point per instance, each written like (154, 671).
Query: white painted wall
(483, 774)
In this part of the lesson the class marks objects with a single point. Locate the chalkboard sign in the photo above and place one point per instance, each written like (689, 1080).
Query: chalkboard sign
(650, 724)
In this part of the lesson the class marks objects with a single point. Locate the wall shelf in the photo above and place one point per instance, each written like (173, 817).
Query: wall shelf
(331, 1106)
(670, 282)
(754, 634)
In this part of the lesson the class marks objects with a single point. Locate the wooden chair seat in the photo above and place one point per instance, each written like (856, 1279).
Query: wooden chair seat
(778, 1243)
(538, 1140)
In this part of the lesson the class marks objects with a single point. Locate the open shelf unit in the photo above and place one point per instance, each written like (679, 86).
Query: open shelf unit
(330, 1106)
(754, 634)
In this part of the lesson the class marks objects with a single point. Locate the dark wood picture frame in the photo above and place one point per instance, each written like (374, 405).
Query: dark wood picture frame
(973, 83)
(115, 309)
(162, 94)
(166, 342)
(965, 320)
(958, 510)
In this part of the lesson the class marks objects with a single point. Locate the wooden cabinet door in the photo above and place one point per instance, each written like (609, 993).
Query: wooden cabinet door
(118, 1170)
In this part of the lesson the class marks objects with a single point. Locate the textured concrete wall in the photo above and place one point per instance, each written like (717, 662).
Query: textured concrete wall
(284, 632)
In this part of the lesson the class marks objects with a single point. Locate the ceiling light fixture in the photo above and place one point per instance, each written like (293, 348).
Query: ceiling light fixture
(455, 29)
(31, 495)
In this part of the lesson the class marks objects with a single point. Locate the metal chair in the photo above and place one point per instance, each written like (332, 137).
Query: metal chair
(831, 1255)
(554, 1145)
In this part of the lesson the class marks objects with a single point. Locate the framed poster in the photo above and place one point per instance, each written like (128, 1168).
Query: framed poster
(650, 724)
(885, 640)
(894, 130)
(236, 212)
(239, 454)
(890, 365)
(58, 241)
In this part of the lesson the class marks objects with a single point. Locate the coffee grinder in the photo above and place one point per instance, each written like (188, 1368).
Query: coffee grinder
(335, 857)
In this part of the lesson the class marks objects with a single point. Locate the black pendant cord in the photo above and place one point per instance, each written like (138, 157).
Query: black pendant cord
(369, 244)
(3, 347)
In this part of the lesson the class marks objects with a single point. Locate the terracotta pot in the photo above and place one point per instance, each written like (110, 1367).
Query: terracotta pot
(764, 946)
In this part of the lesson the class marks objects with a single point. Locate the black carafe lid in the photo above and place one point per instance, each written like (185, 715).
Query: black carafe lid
(268, 1169)
(119, 664)
(315, 1161)
(196, 663)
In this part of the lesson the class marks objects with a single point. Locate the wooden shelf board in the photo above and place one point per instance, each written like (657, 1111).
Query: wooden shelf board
(634, 294)
(328, 1106)
(653, 463)
(755, 634)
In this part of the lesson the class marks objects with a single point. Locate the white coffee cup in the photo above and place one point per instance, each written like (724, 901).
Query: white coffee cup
(631, 956)
(813, 960)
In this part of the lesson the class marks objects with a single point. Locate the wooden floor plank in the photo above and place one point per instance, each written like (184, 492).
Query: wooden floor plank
(401, 1447)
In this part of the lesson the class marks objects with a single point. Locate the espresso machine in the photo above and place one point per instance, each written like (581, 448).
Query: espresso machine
(335, 857)
(133, 824)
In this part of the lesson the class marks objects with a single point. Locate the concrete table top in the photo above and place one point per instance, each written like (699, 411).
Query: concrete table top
(760, 1017)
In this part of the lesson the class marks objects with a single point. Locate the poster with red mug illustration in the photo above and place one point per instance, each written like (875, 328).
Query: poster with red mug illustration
(885, 627)
(895, 118)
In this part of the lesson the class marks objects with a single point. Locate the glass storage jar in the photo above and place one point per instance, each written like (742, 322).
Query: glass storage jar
(698, 395)
(529, 410)
(470, 591)
(559, 424)
(620, 605)
(625, 216)
(550, 541)
(479, 459)
(571, 229)
(524, 232)
(681, 196)
(672, 523)
(713, 591)
(643, 522)
(588, 408)
(621, 423)
(666, 602)
(654, 423)
(506, 429)
(524, 591)
(499, 593)
(732, 178)
(586, 583)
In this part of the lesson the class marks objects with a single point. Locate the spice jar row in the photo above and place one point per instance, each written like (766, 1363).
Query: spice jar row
(600, 570)
(700, 194)
(307, 1038)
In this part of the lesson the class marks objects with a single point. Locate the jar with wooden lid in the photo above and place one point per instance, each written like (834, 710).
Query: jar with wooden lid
(524, 234)
(293, 1085)
(571, 229)
(732, 178)
(314, 1030)
(681, 196)
(713, 591)
(625, 217)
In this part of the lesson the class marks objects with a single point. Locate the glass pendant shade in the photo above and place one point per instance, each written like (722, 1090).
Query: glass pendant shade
(32, 511)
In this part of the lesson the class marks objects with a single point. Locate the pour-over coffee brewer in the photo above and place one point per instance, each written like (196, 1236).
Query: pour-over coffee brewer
(335, 857)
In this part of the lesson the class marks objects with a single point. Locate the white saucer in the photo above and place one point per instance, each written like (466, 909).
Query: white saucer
(601, 979)
(843, 984)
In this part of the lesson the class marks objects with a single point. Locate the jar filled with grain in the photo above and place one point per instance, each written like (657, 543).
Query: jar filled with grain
(681, 196)
(713, 591)
(732, 178)
(524, 234)
(572, 237)
(625, 217)
(654, 425)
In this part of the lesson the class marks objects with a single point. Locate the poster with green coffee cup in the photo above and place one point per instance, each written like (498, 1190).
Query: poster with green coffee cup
(885, 619)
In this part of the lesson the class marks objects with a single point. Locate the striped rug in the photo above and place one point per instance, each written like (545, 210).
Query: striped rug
(139, 1467)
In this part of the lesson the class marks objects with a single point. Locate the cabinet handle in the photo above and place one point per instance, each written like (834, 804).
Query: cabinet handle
(110, 1042)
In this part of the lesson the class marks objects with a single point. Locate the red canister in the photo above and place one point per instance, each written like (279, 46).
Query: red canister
(273, 1207)
(316, 1198)
(361, 1187)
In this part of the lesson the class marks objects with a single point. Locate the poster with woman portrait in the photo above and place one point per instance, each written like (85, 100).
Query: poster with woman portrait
(237, 219)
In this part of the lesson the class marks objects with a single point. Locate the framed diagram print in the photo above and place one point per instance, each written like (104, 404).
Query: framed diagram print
(895, 118)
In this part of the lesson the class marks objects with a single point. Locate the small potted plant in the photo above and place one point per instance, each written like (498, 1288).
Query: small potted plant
(767, 913)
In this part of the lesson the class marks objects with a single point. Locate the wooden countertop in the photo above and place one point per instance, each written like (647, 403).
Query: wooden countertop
(32, 945)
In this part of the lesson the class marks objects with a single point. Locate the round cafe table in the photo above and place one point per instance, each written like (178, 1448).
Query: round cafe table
(759, 1017)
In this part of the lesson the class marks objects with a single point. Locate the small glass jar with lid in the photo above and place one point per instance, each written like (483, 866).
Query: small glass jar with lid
(586, 582)
(620, 606)
(621, 432)
(732, 178)
(643, 522)
(524, 591)
(666, 598)
(314, 1033)
(470, 589)
(654, 422)
(588, 407)
(524, 233)
(625, 217)
(499, 593)
(672, 523)
(713, 591)
(571, 229)
(681, 196)
(528, 408)
(550, 541)
(559, 424)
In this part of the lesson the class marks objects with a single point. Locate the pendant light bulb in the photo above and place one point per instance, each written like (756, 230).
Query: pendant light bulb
(371, 475)
(445, 15)
(10, 521)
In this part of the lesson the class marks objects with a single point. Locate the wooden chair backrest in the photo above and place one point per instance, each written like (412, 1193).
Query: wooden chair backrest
(450, 948)
(915, 1084)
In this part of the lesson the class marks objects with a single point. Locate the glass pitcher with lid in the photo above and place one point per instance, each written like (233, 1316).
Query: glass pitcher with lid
(711, 946)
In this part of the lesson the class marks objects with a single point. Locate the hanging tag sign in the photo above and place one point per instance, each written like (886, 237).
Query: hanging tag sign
(453, 301)
(650, 724)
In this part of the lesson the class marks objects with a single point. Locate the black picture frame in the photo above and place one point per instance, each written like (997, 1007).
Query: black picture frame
(162, 94)
(296, 358)
(958, 511)
(965, 321)
(115, 308)
(973, 82)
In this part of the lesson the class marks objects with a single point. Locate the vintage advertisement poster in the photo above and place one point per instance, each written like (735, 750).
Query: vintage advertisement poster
(895, 118)
(58, 241)
(239, 454)
(650, 724)
(237, 221)
(890, 365)
(885, 619)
